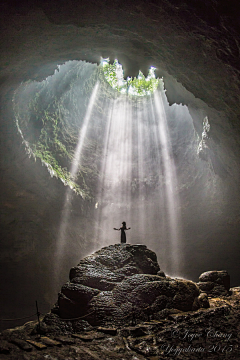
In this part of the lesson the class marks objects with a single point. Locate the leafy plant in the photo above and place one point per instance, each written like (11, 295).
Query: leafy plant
(49, 117)
(140, 86)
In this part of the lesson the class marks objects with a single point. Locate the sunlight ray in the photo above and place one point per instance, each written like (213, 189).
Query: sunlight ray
(170, 183)
(63, 229)
(83, 131)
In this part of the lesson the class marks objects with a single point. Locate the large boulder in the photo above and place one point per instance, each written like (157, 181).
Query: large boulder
(120, 282)
(214, 283)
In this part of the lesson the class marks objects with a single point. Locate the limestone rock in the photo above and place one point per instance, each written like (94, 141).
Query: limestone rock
(185, 294)
(120, 283)
(206, 286)
(58, 326)
(50, 342)
(215, 283)
(37, 344)
(203, 301)
(219, 277)
(22, 344)
(161, 273)
(91, 335)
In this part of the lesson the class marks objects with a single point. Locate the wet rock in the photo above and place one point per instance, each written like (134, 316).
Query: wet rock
(186, 293)
(140, 296)
(50, 342)
(203, 300)
(160, 303)
(65, 340)
(120, 283)
(79, 292)
(99, 284)
(89, 336)
(206, 286)
(141, 290)
(22, 344)
(145, 345)
(86, 353)
(38, 345)
(219, 277)
(218, 290)
(150, 340)
(91, 274)
(215, 283)
(78, 296)
(161, 273)
(81, 325)
(127, 270)
(58, 326)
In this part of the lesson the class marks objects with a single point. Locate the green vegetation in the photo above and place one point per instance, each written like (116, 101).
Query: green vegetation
(140, 86)
(50, 115)
(49, 119)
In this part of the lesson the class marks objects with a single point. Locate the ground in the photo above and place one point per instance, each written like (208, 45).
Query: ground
(206, 333)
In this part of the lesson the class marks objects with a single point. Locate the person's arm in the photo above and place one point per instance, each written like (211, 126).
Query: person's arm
(128, 229)
(116, 229)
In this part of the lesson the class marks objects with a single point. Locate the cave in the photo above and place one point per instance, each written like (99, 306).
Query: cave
(51, 64)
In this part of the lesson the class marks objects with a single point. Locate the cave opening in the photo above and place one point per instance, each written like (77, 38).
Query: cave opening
(117, 144)
(137, 86)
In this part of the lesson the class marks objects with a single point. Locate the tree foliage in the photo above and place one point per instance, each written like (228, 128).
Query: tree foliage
(50, 116)
(140, 86)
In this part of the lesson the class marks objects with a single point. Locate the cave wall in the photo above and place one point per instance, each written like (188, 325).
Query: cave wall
(195, 48)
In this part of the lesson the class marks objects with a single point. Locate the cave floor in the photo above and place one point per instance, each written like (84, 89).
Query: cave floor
(211, 333)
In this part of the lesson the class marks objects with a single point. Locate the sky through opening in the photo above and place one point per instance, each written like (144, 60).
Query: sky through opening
(140, 86)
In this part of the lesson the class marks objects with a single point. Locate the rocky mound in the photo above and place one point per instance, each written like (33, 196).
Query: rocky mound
(119, 287)
(121, 282)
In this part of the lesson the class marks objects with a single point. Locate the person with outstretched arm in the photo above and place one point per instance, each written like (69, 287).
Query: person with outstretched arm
(123, 234)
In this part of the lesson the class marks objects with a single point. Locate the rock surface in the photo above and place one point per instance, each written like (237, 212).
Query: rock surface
(120, 282)
(211, 333)
(215, 283)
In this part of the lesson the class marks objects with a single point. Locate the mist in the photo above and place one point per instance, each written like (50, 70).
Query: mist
(128, 158)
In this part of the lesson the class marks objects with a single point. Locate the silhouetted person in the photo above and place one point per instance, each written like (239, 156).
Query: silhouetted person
(123, 234)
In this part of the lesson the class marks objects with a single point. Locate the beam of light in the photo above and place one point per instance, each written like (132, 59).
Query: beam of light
(63, 230)
(154, 214)
(115, 191)
(160, 221)
(141, 173)
(101, 183)
(147, 221)
(83, 131)
(170, 184)
(137, 150)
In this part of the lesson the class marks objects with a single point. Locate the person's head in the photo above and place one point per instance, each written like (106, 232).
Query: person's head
(124, 223)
